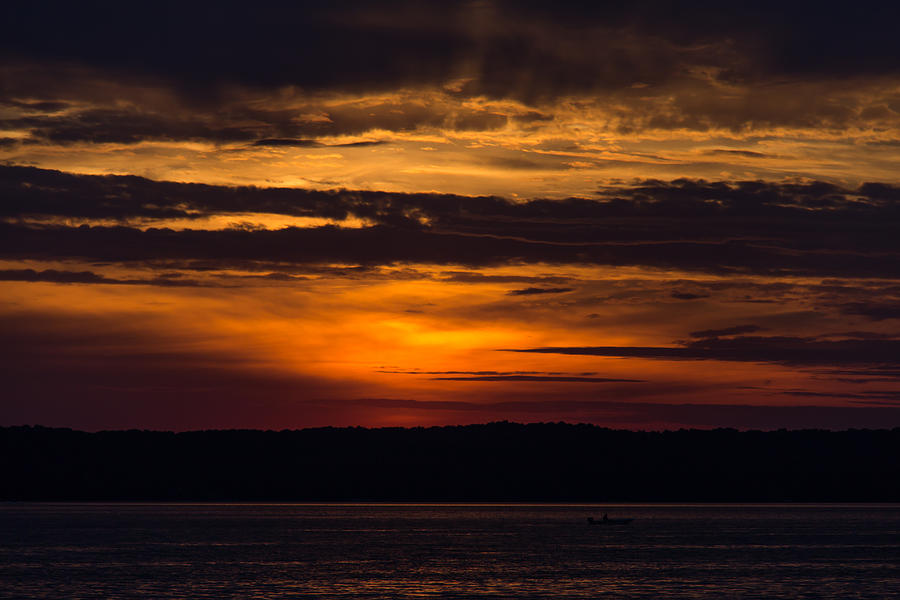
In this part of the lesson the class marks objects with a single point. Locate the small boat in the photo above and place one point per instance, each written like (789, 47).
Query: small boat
(607, 521)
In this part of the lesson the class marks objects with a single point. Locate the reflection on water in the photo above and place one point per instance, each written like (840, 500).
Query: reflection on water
(447, 551)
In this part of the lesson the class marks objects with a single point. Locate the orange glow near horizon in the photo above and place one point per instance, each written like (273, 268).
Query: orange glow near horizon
(456, 213)
(424, 339)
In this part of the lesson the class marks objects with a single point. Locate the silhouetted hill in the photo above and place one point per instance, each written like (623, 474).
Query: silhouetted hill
(497, 461)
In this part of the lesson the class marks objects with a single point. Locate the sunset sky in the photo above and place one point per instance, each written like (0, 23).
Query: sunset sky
(649, 215)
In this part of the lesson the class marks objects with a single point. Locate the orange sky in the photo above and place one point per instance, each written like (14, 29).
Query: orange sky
(472, 213)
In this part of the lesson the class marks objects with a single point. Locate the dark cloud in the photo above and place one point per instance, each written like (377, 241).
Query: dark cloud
(865, 380)
(235, 123)
(791, 351)
(475, 277)
(384, 244)
(814, 229)
(540, 378)
(121, 126)
(301, 143)
(736, 330)
(694, 205)
(278, 142)
(162, 280)
(272, 277)
(38, 106)
(31, 191)
(877, 402)
(534, 291)
(865, 335)
(520, 49)
(875, 311)
(745, 153)
(54, 276)
(498, 374)
(688, 296)
(363, 144)
(873, 396)
(887, 373)
(356, 46)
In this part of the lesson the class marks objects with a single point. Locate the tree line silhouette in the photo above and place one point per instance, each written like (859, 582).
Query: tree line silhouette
(492, 462)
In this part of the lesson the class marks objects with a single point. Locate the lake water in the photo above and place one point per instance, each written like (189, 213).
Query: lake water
(448, 551)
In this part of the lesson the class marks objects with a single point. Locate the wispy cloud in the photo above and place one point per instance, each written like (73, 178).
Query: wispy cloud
(794, 351)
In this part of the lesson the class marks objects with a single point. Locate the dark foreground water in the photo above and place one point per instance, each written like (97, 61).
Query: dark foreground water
(425, 551)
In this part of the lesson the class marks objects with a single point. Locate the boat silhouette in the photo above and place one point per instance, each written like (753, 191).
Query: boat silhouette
(607, 521)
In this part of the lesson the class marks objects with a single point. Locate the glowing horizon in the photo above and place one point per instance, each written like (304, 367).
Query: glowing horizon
(479, 211)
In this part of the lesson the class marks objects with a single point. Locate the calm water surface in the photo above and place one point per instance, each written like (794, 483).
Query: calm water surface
(437, 551)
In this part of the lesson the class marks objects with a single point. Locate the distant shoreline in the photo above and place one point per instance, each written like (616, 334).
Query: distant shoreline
(460, 504)
(496, 463)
